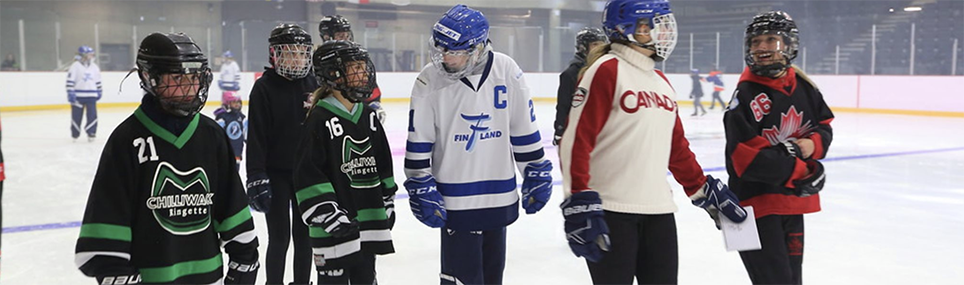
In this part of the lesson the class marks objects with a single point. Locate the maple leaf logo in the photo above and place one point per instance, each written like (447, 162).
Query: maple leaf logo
(791, 127)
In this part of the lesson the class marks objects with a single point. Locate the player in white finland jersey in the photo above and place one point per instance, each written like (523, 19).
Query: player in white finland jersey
(471, 124)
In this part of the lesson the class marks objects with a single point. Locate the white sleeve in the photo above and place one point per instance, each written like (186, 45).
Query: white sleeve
(421, 130)
(100, 86)
(71, 78)
(523, 129)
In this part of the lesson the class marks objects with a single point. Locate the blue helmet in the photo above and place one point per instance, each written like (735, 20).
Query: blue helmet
(460, 28)
(228, 54)
(621, 18)
(85, 50)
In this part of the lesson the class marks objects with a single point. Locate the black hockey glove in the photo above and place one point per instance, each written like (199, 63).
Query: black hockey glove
(812, 183)
(389, 201)
(334, 220)
(242, 273)
(259, 192)
(791, 149)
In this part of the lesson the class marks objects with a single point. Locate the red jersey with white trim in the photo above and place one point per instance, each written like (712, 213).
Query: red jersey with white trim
(624, 132)
(763, 113)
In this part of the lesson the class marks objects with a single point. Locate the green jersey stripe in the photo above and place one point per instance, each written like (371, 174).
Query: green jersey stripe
(228, 224)
(389, 182)
(180, 269)
(177, 141)
(106, 231)
(314, 191)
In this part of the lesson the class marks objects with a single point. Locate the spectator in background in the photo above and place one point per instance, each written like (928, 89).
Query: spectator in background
(697, 92)
(716, 77)
(10, 64)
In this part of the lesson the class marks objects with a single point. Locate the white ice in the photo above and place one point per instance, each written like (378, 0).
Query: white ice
(892, 219)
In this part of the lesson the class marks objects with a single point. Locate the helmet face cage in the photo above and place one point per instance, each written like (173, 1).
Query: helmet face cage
(291, 60)
(346, 67)
(184, 91)
(461, 32)
(622, 17)
(330, 26)
(586, 37)
(772, 23)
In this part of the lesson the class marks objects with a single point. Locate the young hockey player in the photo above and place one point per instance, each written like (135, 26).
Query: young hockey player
(230, 74)
(167, 196)
(337, 28)
(624, 132)
(471, 121)
(716, 77)
(777, 128)
(83, 92)
(586, 40)
(344, 169)
(696, 92)
(230, 117)
(279, 102)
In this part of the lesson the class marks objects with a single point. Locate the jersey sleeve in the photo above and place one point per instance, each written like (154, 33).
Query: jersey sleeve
(421, 130)
(567, 85)
(71, 77)
(259, 121)
(100, 87)
(312, 185)
(822, 134)
(104, 246)
(233, 219)
(682, 162)
(586, 120)
(523, 130)
(750, 156)
(383, 159)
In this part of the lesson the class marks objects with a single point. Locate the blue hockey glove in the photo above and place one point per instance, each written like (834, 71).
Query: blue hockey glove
(259, 192)
(716, 196)
(71, 97)
(426, 201)
(242, 273)
(586, 230)
(537, 186)
(330, 217)
(382, 115)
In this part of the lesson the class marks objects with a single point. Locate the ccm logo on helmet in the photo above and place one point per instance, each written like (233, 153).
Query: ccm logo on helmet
(631, 101)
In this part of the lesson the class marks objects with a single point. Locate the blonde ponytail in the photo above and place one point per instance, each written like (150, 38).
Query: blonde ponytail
(594, 55)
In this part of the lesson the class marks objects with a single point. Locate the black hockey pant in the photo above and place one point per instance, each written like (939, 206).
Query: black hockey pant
(359, 273)
(473, 257)
(716, 97)
(780, 260)
(644, 247)
(282, 228)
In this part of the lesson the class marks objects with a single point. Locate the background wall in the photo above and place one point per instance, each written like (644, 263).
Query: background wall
(936, 95)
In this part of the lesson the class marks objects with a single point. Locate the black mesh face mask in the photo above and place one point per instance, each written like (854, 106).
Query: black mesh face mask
(181, 94)
(346, 67)
(359, 80)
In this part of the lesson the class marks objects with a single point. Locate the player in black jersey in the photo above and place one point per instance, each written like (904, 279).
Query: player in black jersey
(279, 101)
(337, 28)
(777, 128)
(344, 170)
(167, 196)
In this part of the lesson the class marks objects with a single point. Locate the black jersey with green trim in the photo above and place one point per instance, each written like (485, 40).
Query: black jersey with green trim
(345, 158)
(162, 205)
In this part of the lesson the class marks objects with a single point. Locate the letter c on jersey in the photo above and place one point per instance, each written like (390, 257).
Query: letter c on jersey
(500, 103)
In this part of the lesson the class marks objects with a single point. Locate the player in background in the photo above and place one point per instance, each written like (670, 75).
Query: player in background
(716, 77)
(167, 197)
(337, 28)
(344, 169)
(586, 40)
(279, 102)
(83, 92)
(235, 124)
(624, 132)
(696, 93)
(471, 124)
(230, 74)
(777, 128)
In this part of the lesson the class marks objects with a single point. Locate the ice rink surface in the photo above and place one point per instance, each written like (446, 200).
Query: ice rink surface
(893, 206)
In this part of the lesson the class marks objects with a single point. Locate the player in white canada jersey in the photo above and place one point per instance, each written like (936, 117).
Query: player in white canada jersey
(471, 123)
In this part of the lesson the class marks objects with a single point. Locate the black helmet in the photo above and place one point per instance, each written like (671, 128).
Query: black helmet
(178, 55)
(330, 25)
(776, 23)
(332, 61)
(587, 36)
(289, 49)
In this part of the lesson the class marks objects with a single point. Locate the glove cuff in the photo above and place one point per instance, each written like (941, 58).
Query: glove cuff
(792, 149)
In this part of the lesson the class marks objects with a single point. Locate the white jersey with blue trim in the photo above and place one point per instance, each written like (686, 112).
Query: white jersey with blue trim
(471, 134)
(84, 79)
(230, 76)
